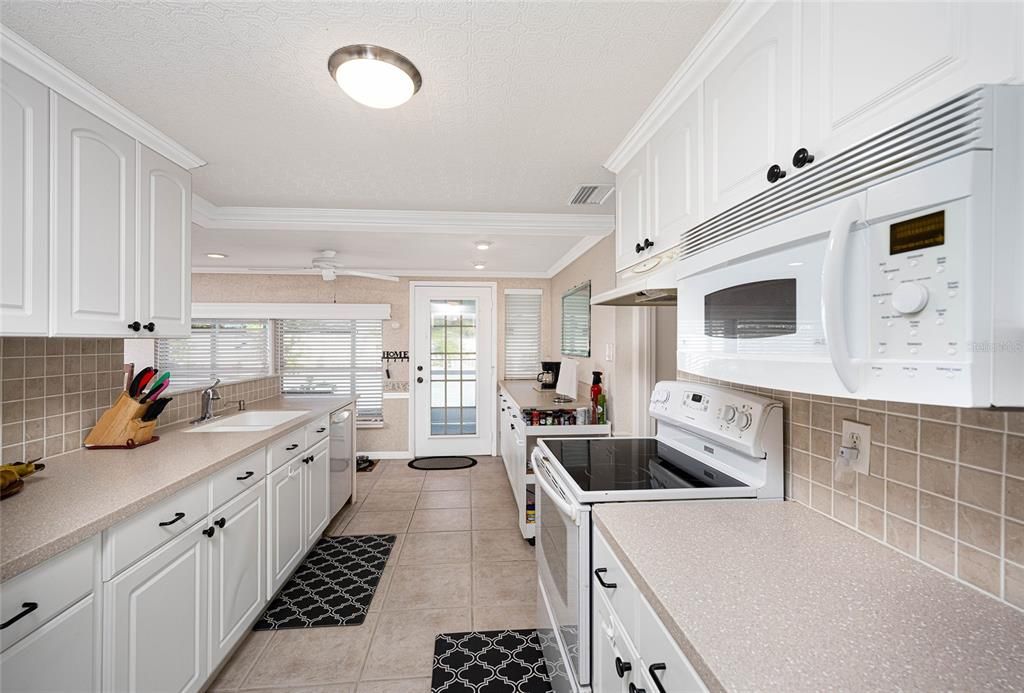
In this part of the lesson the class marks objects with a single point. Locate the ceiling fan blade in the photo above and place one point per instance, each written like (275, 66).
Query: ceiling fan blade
(368, 275)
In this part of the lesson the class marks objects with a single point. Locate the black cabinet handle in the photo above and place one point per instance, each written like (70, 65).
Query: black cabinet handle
(634, 689)
(622, 667)
(776, 173)
(639, 248)
(802, 157)
(606, 585)
(209, 531)
(654, 669)
(221, 522)
(321, 429)
(135, 326)
(292, 446)
(149, 326)
(648, 243)
(177, 516)
(26, 609)
(247, 475)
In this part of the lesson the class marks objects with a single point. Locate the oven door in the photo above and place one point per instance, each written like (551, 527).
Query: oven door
(563, 573)
(792, 314)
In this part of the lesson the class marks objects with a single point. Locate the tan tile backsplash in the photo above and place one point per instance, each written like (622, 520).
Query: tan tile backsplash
(53, 390)
(946, 485)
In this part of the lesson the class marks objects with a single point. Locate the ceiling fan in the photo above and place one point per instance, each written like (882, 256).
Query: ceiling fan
(331, 270)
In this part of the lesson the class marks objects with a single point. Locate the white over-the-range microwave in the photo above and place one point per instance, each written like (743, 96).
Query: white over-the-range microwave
(893, 271)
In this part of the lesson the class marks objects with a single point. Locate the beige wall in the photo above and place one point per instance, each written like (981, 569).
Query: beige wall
(269, 288)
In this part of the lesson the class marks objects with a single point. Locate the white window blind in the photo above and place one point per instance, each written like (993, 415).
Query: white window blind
(522, 333)
(227, 349)
(333, 356)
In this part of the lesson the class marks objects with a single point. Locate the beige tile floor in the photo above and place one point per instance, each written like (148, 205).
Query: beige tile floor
(459, 564)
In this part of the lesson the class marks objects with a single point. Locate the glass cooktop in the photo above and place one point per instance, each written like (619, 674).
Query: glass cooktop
(630, 464)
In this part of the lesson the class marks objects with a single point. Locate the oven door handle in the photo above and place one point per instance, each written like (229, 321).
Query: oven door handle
(833, 280)
(540, 468)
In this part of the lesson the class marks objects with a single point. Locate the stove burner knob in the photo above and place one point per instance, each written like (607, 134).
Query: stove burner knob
(744, 421)
(729, 413)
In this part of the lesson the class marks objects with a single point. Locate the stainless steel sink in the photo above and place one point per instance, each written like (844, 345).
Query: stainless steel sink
(248, 421)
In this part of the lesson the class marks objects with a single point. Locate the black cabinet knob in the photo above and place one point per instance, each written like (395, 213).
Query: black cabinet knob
(648, 243)
(634, 689)
(639, 248)
(622, 667)
(149, 326)
(419, 368)
(135, 326)
(419, 380)
(802, 157)
(209, 531)
(776, 173)
(221, 522)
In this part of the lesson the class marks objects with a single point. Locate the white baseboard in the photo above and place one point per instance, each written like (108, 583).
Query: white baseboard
(387, 454)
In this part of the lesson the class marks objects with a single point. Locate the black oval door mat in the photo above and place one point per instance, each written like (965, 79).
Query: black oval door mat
(493, 661)
(442, 462)
(334, 585)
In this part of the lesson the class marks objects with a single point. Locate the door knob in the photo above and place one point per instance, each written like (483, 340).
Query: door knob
(776, 173)
(802, 157)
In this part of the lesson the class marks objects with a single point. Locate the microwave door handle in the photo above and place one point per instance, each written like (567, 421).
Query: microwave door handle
(833, 280)
(556, 498)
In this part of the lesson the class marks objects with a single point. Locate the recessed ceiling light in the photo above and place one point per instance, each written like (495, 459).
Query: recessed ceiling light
(374, 76)
(216, 256)
(482, 245)
(478, 265)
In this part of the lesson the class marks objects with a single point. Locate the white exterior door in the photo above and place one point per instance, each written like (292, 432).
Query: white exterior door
(24, 204)
(453, 374)
(165, 229)
(285, 538)
(236, 570)
(157, 620)
(316, 491)
(95, 225)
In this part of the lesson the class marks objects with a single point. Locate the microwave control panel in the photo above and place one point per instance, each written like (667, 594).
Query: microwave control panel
(917, 281)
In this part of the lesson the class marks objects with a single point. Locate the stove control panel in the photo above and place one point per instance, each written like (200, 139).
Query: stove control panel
(727, 415)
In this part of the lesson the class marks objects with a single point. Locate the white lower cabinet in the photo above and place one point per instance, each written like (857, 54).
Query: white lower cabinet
(59, 656)
(237, 570)
(285, 536)
(156, 625)
(615, 666)
(316, 490)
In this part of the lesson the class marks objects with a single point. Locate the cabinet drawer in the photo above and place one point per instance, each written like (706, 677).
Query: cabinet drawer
(52, 586)
(662, 658)
(243, 474)
(285, 448)
(623, 597)
(129, 541)
(318, 430)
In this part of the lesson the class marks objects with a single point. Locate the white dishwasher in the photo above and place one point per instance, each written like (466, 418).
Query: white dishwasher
(343, 456)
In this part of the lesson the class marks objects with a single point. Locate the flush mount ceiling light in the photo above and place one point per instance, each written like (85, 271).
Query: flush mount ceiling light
(483, 245)
(374, 76)
(216, 256)
(478, 265)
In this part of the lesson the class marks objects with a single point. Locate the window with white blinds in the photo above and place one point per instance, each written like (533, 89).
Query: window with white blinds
(227, 349)
(333, 356)
(522, 333)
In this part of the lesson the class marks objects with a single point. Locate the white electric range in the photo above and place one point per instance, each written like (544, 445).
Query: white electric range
(711, 443)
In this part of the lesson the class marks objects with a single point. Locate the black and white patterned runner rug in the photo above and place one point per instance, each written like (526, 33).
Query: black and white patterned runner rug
(494, 661)
(334, 585)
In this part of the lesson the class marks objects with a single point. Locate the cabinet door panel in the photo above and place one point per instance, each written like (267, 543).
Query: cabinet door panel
(748, 111)
(95, 224)
(920, 53)
(630, 209)
(60, 656)
(237, 571)
(157, 621)
(316, 493)
(24, 204)
(164, 268)
(285, 537)
(674, 180)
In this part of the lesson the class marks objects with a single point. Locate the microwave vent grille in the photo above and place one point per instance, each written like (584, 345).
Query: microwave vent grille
(945, 131)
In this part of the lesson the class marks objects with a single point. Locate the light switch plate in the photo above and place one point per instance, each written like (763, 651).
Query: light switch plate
(609, 352)
(857, 435)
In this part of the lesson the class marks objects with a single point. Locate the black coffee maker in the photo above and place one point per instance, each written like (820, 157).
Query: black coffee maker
(548, 376)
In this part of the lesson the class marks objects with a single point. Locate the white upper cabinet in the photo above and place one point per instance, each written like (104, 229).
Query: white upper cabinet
(94, 243)
(870, 66)
(749, 110)
(24, 206)
(164, 267)
(631, 210)
(674, 174)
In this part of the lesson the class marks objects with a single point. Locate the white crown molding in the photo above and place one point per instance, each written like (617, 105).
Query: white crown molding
(210, 216)
(26, 57)
(575, 253)
(483, 275)
(733, 23)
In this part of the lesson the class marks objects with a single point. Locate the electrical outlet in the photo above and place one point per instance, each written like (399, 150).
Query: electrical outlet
(855, 447)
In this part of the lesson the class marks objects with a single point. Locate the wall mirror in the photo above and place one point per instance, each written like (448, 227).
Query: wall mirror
(576, 321)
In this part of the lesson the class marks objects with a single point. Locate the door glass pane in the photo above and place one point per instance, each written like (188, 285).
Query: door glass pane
(453, 376)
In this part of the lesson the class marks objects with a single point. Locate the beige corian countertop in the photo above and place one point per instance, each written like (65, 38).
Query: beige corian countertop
(527, 396)
(81, 493)
(772, 596)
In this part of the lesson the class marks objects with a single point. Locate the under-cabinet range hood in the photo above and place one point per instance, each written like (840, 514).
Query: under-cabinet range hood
(657, 289)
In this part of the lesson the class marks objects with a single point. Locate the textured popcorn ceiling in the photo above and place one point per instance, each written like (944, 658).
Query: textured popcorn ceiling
(521, 101)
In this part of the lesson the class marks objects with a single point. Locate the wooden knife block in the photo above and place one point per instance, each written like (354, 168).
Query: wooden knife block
(121, 426)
